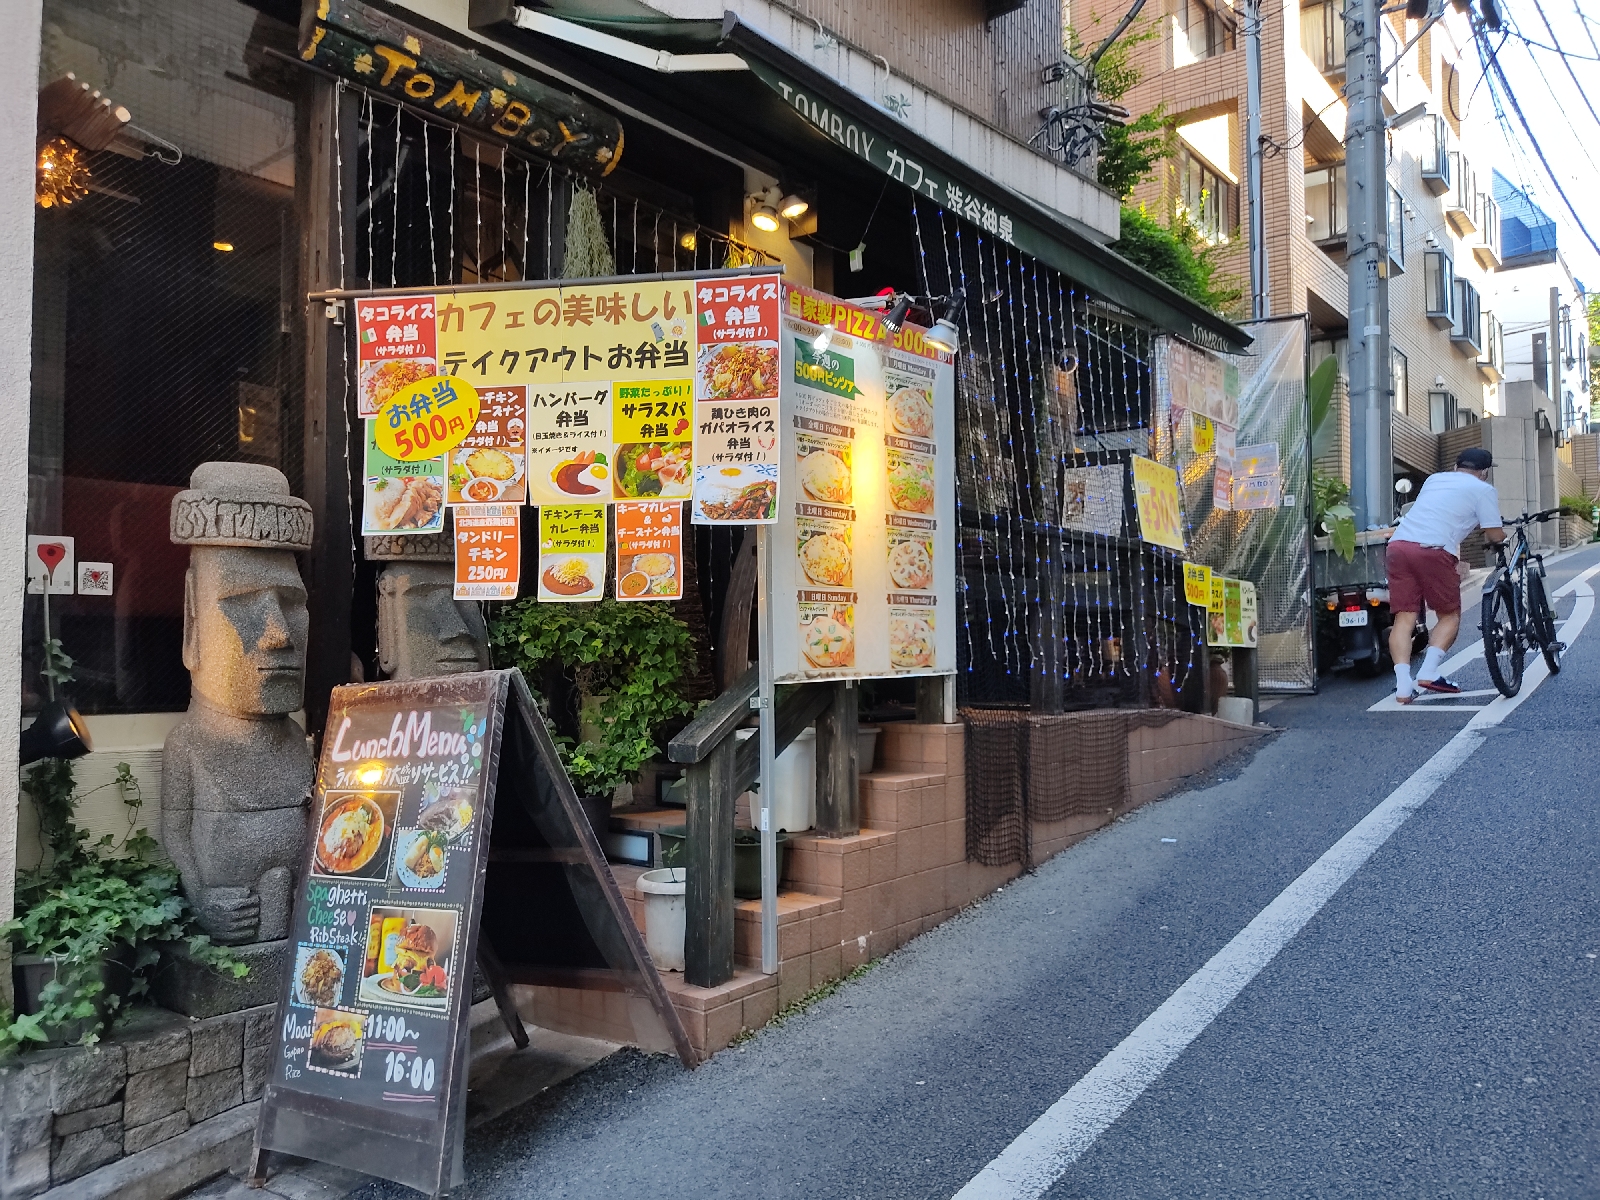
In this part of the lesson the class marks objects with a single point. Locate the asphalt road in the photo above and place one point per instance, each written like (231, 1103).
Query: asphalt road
(1433, 1030)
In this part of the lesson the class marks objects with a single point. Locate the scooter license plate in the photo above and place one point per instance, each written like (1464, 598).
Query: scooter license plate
(1347, 619)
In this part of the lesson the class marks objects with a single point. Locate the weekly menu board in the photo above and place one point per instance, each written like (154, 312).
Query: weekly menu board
(863, 565)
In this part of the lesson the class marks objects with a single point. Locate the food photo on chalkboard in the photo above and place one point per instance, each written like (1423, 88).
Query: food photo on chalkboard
(410, 956)
(355, 834)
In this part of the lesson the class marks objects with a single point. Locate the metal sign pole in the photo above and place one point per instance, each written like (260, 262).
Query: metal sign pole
(769, 749)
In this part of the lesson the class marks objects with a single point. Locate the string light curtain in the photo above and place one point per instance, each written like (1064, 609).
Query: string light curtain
(1060, 605)
(436, 205)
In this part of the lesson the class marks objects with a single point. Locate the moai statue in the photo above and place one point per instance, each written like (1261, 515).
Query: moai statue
(422, 630)
(237, 771)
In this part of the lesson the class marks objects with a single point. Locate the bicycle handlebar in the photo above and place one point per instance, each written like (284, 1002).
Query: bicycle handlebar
(1528, 518)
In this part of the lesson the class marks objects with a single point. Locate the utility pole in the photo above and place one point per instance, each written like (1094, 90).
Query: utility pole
(1259, 305)
(1371, 455)
(1558, 407)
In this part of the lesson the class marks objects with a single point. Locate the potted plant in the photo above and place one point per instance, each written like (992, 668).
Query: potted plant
(627, 660)
(92, 919)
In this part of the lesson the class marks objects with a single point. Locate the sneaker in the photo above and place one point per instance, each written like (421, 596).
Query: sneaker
(1443, 686)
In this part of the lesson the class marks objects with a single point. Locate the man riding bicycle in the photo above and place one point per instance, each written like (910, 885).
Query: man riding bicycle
(1424, 560)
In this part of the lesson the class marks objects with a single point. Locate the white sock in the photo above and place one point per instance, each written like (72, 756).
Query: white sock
(1402, 679)
(1431, 662)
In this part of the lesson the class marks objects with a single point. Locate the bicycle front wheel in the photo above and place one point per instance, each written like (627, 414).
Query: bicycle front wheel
(1542, 623)
(1502, 643)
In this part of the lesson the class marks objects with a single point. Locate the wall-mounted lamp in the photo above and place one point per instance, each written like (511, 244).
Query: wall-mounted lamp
(57, 732)
(946, 334)
(793, 206)
(764, 217)
(896, 316)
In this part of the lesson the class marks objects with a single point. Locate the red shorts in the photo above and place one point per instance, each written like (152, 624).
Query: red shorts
(1419, 574)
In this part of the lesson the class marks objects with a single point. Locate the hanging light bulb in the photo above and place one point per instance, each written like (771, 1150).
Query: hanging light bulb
(946, 334)
(896, 316)
(793, 207)
(764, 217)
(823, 340)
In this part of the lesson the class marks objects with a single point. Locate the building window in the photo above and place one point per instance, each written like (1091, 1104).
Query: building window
(163, 305)
(1322, 36)
(1397, 232)
(1466, 329)
(1400, 378)
(1435, 157)
(1327, 204)
(1439, 289)
(1442, 412)
(1206, 198)
(1200, 32)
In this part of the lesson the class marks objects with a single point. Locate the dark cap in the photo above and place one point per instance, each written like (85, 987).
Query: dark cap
(1474, 458)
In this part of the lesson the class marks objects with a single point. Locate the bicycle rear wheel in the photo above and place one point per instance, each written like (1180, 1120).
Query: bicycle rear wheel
(1542, 623)
(1502, 644)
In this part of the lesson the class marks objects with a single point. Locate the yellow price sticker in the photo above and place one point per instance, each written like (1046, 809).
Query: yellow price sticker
(426, 418)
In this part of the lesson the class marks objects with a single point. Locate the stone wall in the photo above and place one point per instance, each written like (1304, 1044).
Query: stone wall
(68, 1111)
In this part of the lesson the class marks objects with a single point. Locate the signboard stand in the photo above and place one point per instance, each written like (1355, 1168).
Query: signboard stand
(445, 832)
(769, 755)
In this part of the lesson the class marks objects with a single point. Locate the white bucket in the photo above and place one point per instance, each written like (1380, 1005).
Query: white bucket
(794, 804)
(866, 747)
(664, 915)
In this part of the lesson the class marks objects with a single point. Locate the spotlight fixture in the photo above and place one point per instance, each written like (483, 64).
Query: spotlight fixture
(764, 217)
(689, 241)
(823, 340)
(946, 334)
(57, 732)
(896, 316)
(225, 247)
(793, 206)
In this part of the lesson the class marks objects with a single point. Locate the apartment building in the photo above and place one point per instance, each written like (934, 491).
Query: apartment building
(1534, 292)
(1444, 226)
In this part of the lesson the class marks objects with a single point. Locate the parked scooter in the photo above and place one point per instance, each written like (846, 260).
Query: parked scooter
(1353, 618)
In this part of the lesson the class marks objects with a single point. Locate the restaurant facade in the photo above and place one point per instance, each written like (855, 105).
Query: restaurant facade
(234, 188)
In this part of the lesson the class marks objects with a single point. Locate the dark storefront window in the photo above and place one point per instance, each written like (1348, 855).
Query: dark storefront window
(163, 304)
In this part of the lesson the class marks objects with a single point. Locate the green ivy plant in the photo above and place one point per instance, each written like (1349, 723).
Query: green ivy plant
(634, 655)
(1330, 496)
(89, 901)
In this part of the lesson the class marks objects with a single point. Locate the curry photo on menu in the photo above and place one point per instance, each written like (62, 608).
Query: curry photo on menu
(355, 834)
(409, 959)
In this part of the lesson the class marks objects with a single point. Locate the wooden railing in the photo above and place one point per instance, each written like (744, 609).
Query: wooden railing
(720, 767)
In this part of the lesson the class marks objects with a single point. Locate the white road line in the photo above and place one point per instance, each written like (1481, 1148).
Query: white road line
(1041, 1154)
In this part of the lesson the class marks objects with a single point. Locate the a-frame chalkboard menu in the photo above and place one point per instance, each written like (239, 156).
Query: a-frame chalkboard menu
(444, 831)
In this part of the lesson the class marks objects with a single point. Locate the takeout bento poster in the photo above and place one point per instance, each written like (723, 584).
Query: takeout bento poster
(411, 734)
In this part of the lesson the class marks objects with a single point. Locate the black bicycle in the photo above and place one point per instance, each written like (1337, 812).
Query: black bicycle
(1516, 611)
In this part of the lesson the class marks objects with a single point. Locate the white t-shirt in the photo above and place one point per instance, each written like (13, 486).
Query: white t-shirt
(1450, 505)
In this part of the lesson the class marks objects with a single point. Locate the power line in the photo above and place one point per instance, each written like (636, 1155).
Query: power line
(1499, 73)
(1540, 10)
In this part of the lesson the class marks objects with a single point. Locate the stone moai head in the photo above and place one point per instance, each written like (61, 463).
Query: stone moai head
(422, 630)
(245, 622)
